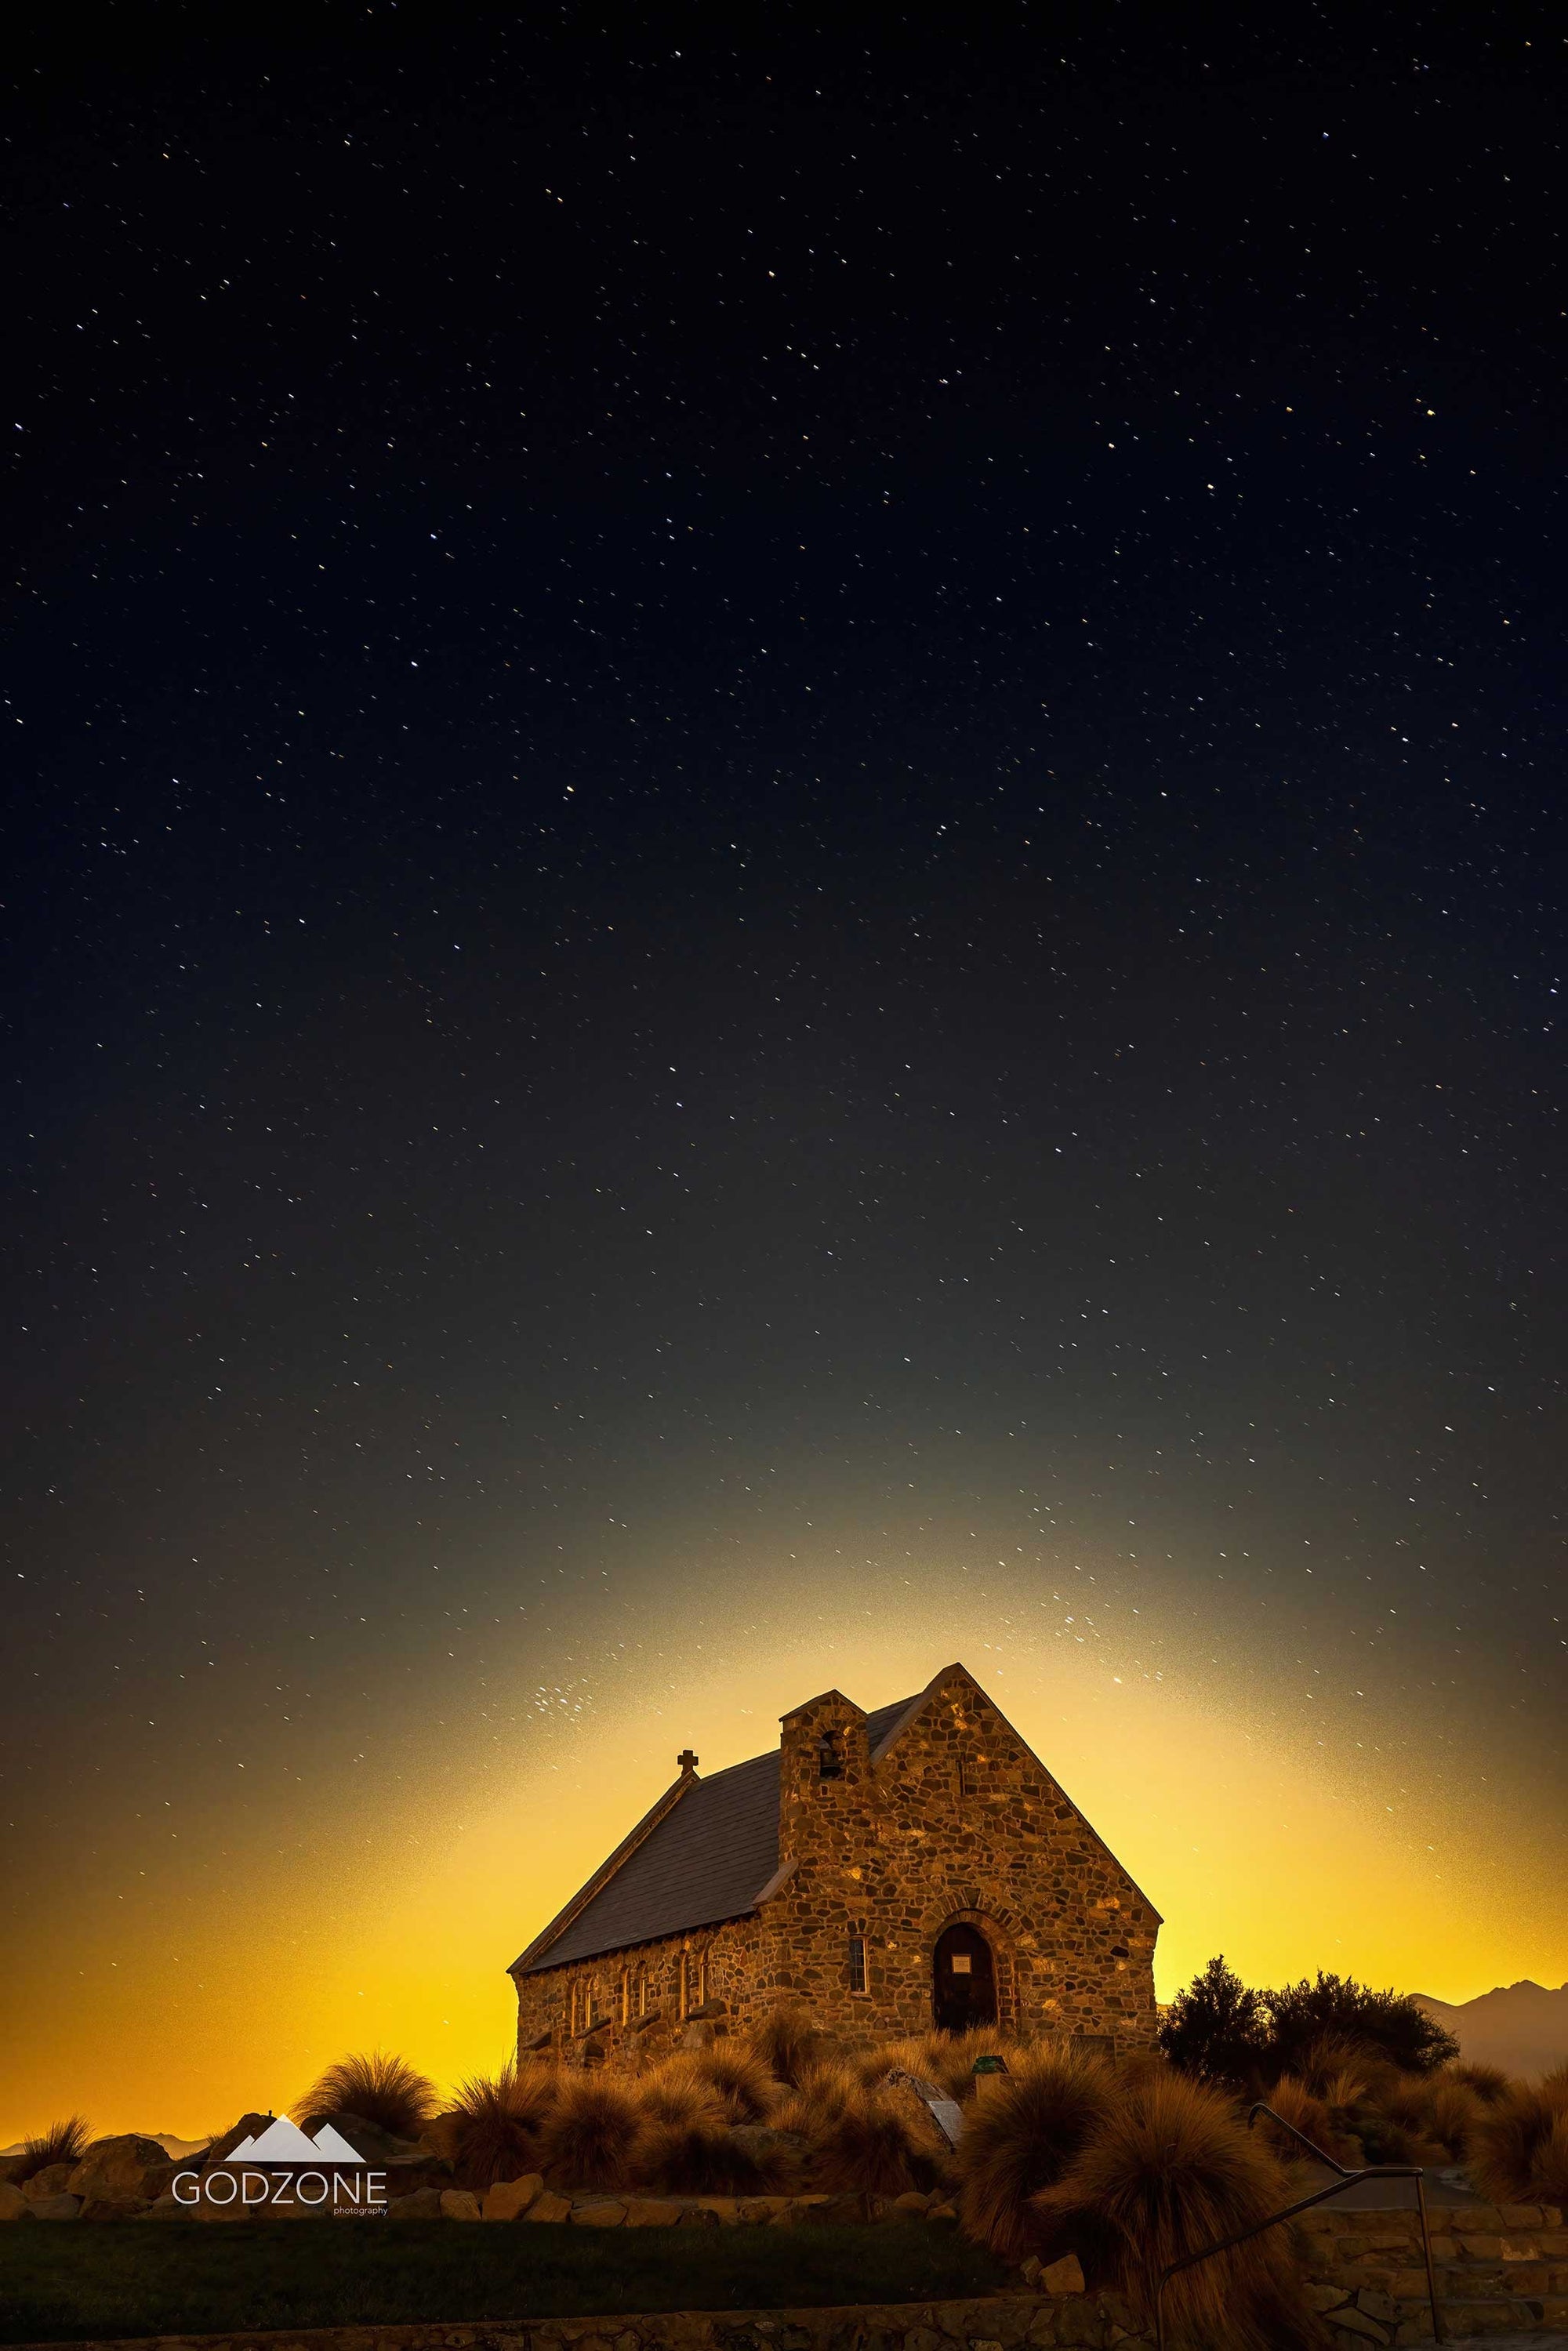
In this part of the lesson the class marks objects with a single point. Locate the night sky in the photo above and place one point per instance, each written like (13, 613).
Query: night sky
(782, 899)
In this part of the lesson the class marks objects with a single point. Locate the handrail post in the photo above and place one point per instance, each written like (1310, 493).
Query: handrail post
(1438, 2333)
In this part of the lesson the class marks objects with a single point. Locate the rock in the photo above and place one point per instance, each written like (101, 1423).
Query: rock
(1065, 2277)
(113, 2207)
(128, 2169)
(943, 2212)
(71, 2207)
(13, 2205)
(377, 2146)
(53, 2180)
(508, 2199)
(549, 2207)
(419, 2204)
(1377, 2304)
(912, 2201)
(247, 2126)
(1323, 2297)
(1029, 2269)
(1352, 2327)
(599, 2212)
(167, 2208)
(651, 2212)
(459, 2204)
(835, 2212)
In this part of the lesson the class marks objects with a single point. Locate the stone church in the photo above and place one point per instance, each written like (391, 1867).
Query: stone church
(892, 1871)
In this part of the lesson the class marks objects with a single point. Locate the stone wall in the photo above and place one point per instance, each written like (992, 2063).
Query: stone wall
(1500, 2270)
(957, 1821)
(1000, 2322)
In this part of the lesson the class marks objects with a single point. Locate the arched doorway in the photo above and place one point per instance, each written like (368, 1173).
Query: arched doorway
(963, 1981)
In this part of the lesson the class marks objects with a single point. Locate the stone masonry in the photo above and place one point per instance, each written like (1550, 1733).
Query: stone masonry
(952, 1820)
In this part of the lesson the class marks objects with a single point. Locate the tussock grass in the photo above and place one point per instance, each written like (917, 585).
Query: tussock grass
(701, 2156)
(1164, 2171)
(787, 2042)
(63, 2142)
(675, 2093)
(873, 2144)
(823, 2090)
(384, 2088)
(739, 2080)
(1023, 2139)
(1489, 2082)
(495, 2125)
(588, 2134)
(1519, 2150)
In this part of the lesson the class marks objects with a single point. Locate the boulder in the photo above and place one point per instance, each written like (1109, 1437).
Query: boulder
(1065, 2277)
(419, 2204)
(13, 2205)
(459, 2204)
(71, 2207)
(549, 2207)
(127, 2170)
(600, 2212)
(53, 2180)
(651, 2212)
(508, 2199)
(377, 2146)
(247, 2126)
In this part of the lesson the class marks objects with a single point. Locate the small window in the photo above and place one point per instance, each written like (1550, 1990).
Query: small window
(641, 1995)
(857, 1963)
(625, 1997)
(830, 1761)
(964, 1786)
(702, 1981)
(685, 1984)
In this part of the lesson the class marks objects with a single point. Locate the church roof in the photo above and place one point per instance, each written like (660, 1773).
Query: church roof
(709, 1857)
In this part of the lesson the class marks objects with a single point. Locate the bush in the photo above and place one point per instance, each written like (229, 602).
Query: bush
(1216, 2030)
(824, 2090)
(384, 2089)
(1519, 2143)
(873, 2144)
(703, 2157)
(739, 2080)
(61, 2143)
(1023, 2139)
(1164, 2172)
(1489, 2082)
(495, 2126)
(588, 2135)
(787, 2042)
(675, 2093)
(1382, 2024)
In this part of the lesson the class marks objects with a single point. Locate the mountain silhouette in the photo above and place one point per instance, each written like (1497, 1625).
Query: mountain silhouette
(1522, 2027)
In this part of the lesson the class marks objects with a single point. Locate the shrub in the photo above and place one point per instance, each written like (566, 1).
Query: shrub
(823, 2090)
(1521, 2140)
(1385, 2023)
(701, 2156)
(1217, 2029)
(740, 2081)
(1453, 2110)
(874, 2146)
(1297, 2105)
(787, 2042)
(1489, 2082)
(1165, 2172)
(61, 2143)
(494, 2127)
(1023, 2139)
(588, 2134)
(675, 2093)
(384, 2089)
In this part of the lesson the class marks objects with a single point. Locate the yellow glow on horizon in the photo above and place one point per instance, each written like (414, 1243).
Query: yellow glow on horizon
(397, 1923)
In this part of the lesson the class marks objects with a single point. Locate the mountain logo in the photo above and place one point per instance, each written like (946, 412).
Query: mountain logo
(284, 2142)
(321, 2174)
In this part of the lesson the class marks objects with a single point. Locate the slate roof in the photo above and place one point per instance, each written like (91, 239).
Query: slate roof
(707, 1859)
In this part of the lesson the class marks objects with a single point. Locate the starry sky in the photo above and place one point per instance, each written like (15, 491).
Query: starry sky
(783, 898)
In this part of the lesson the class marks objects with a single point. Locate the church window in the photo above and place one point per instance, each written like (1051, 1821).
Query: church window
(857, 1963)
(829, 1763)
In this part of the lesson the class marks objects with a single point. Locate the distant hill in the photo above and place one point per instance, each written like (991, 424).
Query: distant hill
(172, 2147)
(1521, 2027)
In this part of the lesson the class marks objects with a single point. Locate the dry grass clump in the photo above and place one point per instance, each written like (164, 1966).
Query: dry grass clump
(1164, 2171)
(61, 2143)
(739, 2079)
(823, 2090)
(385, 2089)
(1487, 2083)
(675, 2093)
(702, 2155)
(588, 2135)
(1022, 2138)
(1300, 2107)
(787, 2042)
(1518, 2149)
(875, 2145)
(495, 2124)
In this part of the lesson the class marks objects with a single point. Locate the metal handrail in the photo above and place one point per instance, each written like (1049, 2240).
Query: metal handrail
(1347, 2179)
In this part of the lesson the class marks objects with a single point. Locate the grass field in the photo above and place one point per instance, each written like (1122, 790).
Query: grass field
(59, 2281)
